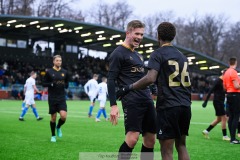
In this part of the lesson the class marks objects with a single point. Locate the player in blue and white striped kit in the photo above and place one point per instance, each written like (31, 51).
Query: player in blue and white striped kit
(91, 90)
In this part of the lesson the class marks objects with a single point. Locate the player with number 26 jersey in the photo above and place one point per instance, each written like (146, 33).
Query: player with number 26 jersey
(173, 79)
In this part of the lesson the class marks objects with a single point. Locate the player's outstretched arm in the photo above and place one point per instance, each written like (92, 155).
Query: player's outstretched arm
(123, 91)
(146, 80)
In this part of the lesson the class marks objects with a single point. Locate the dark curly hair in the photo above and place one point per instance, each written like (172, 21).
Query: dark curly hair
(166, 31)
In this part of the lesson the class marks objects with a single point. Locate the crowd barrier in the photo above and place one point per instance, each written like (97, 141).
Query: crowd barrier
(77, 92)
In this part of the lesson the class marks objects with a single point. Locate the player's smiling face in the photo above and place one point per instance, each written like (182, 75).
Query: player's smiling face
(135, 37)
(57, 62)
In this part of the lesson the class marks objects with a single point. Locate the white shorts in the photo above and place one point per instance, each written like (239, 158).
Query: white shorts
(91, 98)
(29, 99)
(102, 103)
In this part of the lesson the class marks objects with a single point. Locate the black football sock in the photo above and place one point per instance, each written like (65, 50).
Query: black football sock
(60, 123)
(224, 132)
(210, 128)
(52, 126)
(146, 156)
(124, 152)
(238, 127)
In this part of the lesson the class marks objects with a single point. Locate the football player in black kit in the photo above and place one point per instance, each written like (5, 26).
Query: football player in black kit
(218, 103)
(169, 68)
(126, 67)
(56, 79)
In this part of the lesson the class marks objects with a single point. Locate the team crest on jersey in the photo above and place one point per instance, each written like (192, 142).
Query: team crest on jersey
(62, 74)
(160, 131)
(131, 58)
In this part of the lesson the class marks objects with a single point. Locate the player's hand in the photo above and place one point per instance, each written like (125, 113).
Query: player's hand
(123, 91)
(204, 104)
(114, 115)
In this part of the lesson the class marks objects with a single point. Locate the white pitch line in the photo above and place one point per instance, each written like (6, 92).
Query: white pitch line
(81, 116)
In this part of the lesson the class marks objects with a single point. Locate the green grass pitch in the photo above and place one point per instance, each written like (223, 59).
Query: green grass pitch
(30, 139)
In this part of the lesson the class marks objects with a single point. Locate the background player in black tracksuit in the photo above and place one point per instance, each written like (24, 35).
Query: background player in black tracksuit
(218, 103)
(56, 79)
(169, 67)
(126, 67)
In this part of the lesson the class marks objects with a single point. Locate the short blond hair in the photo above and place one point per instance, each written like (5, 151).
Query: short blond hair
(135, 24)
(56, 56)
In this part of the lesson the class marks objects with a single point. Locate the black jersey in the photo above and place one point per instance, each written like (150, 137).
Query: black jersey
(173, 81)
(127, 67)
(56, 81)
(218, 91)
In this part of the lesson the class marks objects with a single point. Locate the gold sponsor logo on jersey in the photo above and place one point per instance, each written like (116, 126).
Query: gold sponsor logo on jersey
(137, 69)
(62, 74)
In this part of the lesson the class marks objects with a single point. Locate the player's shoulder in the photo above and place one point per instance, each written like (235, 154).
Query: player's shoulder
(229, 72)
(117, 53)
(49, 70)
(63, 70)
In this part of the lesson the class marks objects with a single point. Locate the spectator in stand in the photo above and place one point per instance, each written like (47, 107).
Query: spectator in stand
(38, 50)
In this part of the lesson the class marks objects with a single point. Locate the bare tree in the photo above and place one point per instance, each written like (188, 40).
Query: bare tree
(230, 43)
(2, 6)
(203, 34)
(115, 15)
(23, 7)
(16, 7)
(53, 8)
(212, 29)
(188, 33)
(152, 21)
(7, 7)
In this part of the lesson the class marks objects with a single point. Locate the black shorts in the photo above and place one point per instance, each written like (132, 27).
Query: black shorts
(140, 117)
(57, 105)
(219, 108)
(173, 122)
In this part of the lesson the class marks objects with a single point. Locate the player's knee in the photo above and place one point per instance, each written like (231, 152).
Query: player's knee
(149, 142)
(53, 119)
(132, 141)
(166, 150)
(63, 118)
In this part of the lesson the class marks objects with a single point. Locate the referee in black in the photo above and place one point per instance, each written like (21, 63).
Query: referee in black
(56, 79)
(126, 67)
(169, 67)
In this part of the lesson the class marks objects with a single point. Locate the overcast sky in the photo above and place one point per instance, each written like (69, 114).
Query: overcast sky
(181, 8)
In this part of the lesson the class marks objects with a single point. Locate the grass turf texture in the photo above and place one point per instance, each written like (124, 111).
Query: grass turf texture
(31, 139)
